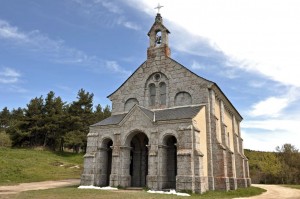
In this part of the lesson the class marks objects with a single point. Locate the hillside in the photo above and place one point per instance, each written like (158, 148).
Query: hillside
(281, 167)
(25, 165)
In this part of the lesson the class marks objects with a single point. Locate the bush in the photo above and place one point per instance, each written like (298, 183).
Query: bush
(5, 140)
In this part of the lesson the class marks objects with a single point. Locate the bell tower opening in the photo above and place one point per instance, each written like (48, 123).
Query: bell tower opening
(158, 38)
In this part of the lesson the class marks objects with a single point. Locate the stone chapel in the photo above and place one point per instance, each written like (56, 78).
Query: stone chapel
(169, 129)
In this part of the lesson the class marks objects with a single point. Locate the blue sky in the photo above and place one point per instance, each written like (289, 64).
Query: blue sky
(250, 49)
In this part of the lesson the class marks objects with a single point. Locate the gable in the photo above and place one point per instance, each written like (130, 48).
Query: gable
(137, 117)
(177, 79)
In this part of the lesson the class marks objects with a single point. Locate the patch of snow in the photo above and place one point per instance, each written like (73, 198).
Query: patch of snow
(172, 191)
(75, 167)
(99, 188)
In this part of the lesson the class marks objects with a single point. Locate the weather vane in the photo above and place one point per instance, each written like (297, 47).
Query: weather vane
(158, 8)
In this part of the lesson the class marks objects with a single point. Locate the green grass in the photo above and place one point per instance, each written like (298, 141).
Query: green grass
(293, 186)
(25, 165)
(74, 193)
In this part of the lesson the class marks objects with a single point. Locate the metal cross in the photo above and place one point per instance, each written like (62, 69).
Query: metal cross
(158, 7)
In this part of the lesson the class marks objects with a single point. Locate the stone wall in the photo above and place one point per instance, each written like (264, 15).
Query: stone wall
(179, 79)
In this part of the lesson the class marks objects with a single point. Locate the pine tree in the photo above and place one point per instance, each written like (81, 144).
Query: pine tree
(5, 118)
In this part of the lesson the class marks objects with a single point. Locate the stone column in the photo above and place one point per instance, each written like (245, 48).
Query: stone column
(124, 167)
(162, 167)
(87, 177)
(153, 162)
(185, 174)
(100, 169)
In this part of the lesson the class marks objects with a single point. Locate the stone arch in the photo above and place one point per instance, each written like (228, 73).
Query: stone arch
(183, 98)
(169, 163)
(130, 103)
(138, 157)
(156, 90)
(105, 160)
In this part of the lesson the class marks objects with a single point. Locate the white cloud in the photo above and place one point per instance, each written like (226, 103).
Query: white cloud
(196, 66)
(271, 107)
(92, 9)
(55, 50)
(270, 133)
(128, 24)
(9, 76)
(274, 106)
(113, 65)
(110, 6)
(9, 32)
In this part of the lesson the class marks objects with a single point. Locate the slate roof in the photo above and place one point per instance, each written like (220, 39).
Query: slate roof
(114, 119)
(186, 112)
(177, 113)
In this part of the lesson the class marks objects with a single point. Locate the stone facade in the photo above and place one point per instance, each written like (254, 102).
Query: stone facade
(169, 129)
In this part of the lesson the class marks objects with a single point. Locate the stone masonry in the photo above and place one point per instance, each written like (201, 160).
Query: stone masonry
(169, 129)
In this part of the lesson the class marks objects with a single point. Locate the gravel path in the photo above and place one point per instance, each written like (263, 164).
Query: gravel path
(276, 192)
(4, 190)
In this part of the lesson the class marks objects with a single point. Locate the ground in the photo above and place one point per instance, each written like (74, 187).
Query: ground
(276, 192)
(4, 190)
(273, 191)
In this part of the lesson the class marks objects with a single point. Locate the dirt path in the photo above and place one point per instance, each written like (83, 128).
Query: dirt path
(276, 192)
(14, 189)
(273, 191)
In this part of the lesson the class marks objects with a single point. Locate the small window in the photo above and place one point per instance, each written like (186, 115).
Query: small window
(156, 77)
(163, 97)
(152, 93)
(228, 139)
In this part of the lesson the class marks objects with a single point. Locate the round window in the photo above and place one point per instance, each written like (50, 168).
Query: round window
(157, 77)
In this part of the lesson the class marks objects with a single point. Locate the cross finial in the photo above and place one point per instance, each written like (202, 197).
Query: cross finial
(158, 8)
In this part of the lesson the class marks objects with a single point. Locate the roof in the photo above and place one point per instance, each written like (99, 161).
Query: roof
(114, 119)
(177, 113)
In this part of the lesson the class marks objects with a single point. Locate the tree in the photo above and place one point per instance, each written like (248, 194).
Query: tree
(265, 167)
(4, 118)
(80, 117)
(106, 112)
(53, 121)
(35, 121)
(290, 156)
(98, 114)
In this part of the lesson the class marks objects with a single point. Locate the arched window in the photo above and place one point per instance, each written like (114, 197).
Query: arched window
(162, 90)
(130, 103)
(152, 94)
(183, 99)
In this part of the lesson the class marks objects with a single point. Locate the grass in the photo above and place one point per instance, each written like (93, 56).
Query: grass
(74, 193)
(293, 186)
(25, 165)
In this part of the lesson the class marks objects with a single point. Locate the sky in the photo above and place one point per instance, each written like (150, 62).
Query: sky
(249, 48)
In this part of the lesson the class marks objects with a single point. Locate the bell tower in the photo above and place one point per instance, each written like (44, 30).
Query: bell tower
(159, 42)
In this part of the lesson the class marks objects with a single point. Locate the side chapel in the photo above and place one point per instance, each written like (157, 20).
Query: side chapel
(169, 129)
